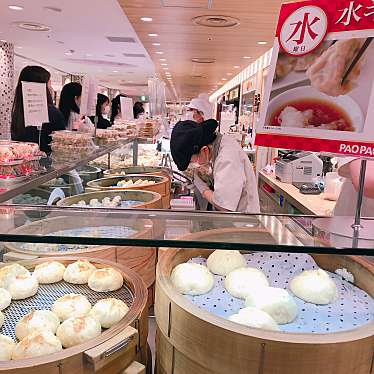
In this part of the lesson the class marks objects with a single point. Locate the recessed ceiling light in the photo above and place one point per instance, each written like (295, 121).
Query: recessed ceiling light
(247, 57)
(262, 42)
(162, 59)
(164, 64)
(146, 19)
(15, 7)
(115, 71)
(224, 79)
(229, 74)
(156, 44)
(166, 68)
(152, 35)
(160, 53)
(236, 67)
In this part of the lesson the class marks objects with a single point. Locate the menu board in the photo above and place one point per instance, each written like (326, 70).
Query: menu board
(320, 93)
(127, 111)
(35, 106)
(89, 97)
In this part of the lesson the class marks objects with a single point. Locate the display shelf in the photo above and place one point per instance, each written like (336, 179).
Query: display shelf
(53, 169)
(271, 233)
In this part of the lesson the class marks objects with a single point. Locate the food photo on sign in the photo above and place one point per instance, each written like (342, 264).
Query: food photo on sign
(320, 97)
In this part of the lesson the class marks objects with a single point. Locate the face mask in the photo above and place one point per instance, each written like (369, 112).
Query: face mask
(106, 110)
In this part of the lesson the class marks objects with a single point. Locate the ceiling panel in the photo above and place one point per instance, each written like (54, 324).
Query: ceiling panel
(181, 39)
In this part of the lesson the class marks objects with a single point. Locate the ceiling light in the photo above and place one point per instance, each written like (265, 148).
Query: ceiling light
(236, 67)
(247, 57)
(166, 68)
(152, 35)
(262, 42)
(224, 79)
(156, 44)
(229, 74)
(15, 7)
(146, 19)
(160, 53)
(115, 71)
(162, 59)
(164, 64)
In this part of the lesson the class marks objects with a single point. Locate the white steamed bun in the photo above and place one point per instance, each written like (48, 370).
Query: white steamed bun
(223, 262)
(253, 317)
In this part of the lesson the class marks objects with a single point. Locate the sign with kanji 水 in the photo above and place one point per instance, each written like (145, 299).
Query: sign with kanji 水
(320, 93)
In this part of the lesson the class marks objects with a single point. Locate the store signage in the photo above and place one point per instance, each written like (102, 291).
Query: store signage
(320, 94)
(35, 106)
(127, 110)
(89, 97)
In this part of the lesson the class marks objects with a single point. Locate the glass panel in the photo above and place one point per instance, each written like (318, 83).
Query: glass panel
(183, 229)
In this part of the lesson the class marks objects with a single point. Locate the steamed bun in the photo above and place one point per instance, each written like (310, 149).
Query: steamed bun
(5, 298)
(192, 279)
(9, 273)
(23, 286)
(49, 272)
(314, 286)
(36, 344)
(277, 302)
(223, 262)
(71, 305)
(241, 281)
(105, 280)
(78, 330)
(6, 347)
(78, 272)
(109, 311)
(253, 317)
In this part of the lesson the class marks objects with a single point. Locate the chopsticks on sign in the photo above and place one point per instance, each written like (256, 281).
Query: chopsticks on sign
(357, 58)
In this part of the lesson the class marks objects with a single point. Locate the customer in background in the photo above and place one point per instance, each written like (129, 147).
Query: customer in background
(138, 109)
(102, 112)
(19, 131)
(116, 114)
(200, 109)
(232, 184)
(349, 168)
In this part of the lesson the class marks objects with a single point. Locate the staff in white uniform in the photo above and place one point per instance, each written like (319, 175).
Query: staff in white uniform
(200, 109)
(349, 168)
(232, 186)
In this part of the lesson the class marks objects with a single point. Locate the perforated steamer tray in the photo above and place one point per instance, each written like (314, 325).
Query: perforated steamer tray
(354, 307)
(48, 293)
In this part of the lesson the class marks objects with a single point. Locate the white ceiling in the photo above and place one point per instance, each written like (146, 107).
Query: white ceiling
(82, 26)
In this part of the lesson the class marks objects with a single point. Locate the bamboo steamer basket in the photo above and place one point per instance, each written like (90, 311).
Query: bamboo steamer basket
(191, 340)
(149, 199)
(140, 259)
(113, 351)
(162, 185)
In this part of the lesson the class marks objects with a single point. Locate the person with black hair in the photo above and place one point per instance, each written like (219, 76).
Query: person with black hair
(116, 109)
(102, 109)
(138, 109)
(70, 100)
(19, 132)
(223, 173)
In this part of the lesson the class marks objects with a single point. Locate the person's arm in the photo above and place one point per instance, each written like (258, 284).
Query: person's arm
(354, 169)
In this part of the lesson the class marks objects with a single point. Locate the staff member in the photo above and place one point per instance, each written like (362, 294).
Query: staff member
(102, 109)
(349, 168)
(200, 109)
(232, 185)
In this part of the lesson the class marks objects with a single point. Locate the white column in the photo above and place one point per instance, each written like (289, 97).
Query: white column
(6, 87)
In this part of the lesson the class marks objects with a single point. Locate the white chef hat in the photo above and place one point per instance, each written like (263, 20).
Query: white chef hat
(202, 104)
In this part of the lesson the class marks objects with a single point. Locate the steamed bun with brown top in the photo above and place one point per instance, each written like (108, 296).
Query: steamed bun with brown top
(7, 346)
(71, 305)
(105, 280)
(314, 286)
(78, 330)
(109, 311)
(49, 272)
(78, 272)
(192, 279)
(223, 262)
(240, 282)
(38, 343)
(5, 298)
(9, 273)
(37, 320)
(23, 286)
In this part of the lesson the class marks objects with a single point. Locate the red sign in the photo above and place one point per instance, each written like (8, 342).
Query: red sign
(321, 97)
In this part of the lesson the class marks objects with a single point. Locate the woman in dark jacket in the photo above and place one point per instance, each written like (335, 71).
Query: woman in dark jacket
(19, 131)
(102, 108)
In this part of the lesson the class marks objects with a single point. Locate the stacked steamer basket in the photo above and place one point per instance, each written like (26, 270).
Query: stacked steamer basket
(114, 350)
(149, 182)
(148, 129)
(115, 199)
(142, 260)
(194, 337)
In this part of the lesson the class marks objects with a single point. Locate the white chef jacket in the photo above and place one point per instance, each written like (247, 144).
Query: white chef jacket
(346, 204)
(235, 184)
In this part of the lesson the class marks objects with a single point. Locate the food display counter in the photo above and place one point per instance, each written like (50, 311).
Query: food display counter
(286, 198)
(338, 334)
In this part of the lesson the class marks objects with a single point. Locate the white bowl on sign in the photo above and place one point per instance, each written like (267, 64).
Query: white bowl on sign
(344, 102)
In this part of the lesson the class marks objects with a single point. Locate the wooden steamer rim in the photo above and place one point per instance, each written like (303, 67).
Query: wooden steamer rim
(131, 279)
(11, 246)
(151, 170)
(155, 198)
